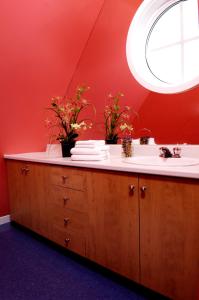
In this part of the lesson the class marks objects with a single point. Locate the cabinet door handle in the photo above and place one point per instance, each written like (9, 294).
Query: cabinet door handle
(66, 221)
(131, 188)
(64, 178)
(26, 170)
(22, 170)
(143, 189)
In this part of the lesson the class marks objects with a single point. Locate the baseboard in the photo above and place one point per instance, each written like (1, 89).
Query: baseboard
(4, 219)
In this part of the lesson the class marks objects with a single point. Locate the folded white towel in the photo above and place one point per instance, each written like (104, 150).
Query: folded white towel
(89, 157)
(91, 142)
(87, 146)
(93, 151)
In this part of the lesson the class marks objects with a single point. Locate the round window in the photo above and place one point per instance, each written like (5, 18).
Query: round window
(163, 45)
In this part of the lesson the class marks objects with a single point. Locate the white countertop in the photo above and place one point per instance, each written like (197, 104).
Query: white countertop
(117, 163)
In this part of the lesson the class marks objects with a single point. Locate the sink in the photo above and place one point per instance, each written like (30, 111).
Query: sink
(163, 162)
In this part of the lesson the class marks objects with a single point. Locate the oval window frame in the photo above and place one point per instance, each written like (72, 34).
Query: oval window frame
(143, 20)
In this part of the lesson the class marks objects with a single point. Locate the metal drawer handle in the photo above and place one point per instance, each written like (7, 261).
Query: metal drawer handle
(66, 221)
(65, 200)
(67, 240)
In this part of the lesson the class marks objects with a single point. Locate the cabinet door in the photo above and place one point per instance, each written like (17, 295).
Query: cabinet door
(114, 222)
(169, 236)
(37, 187)
(27, 195)
(18, 197)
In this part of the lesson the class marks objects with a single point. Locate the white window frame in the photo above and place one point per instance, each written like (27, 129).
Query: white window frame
(139, 28)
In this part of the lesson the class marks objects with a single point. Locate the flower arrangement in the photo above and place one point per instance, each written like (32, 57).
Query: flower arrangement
(116, 119)
(66, 115)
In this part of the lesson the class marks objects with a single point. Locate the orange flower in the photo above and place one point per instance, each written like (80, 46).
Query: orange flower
(116, 118)
(66, 113)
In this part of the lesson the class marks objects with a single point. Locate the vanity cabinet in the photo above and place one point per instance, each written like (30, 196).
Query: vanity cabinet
(68, 208)
(145, 227)
(28, 195)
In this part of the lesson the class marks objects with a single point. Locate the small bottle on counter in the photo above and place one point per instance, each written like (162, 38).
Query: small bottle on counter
(144, 140)
(127, 147)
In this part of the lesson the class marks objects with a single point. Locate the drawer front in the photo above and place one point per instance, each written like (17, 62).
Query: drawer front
(69, 219)
(67, 198)
(72, 240)
(69, 178)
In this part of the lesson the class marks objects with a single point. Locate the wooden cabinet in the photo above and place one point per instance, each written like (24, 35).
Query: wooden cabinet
(68, 208)
(169, 236)
(28, 193)
(114, 222)
(143, 227)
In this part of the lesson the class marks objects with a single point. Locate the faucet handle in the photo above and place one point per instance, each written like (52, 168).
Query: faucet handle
(161, 152)
(176, 152)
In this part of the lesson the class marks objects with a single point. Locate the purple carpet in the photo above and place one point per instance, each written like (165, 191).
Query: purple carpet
(32, 268)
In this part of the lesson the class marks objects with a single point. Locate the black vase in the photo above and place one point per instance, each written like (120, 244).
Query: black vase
(66, 147)
(111, 141)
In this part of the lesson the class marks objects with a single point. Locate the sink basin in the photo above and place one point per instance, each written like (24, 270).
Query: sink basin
(163, 162)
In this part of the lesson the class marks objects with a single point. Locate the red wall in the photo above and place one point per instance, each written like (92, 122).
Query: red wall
(103, 64)
(48, 47)
(41, 43)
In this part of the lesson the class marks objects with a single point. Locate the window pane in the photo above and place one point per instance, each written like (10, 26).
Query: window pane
(167, 29)
(191, 59)
(166, 64)
(190, 19)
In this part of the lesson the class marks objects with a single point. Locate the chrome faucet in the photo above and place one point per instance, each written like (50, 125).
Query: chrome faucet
(165, 152)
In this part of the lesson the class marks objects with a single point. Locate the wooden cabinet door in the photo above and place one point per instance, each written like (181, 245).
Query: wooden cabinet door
(114, 222)
(18, 197)
(169, 236)
(27, 195)
(37, 187)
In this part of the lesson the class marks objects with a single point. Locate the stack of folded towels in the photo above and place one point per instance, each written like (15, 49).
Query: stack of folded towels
(90, 150)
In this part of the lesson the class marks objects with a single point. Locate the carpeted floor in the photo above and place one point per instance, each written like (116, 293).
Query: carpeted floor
(31, 268)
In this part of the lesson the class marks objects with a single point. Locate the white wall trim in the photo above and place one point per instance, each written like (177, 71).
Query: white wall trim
(4, 219)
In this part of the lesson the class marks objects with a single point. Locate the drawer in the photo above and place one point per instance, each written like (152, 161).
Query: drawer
(69, 219)
(68, 198)
(73, 240)
(70, 178)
